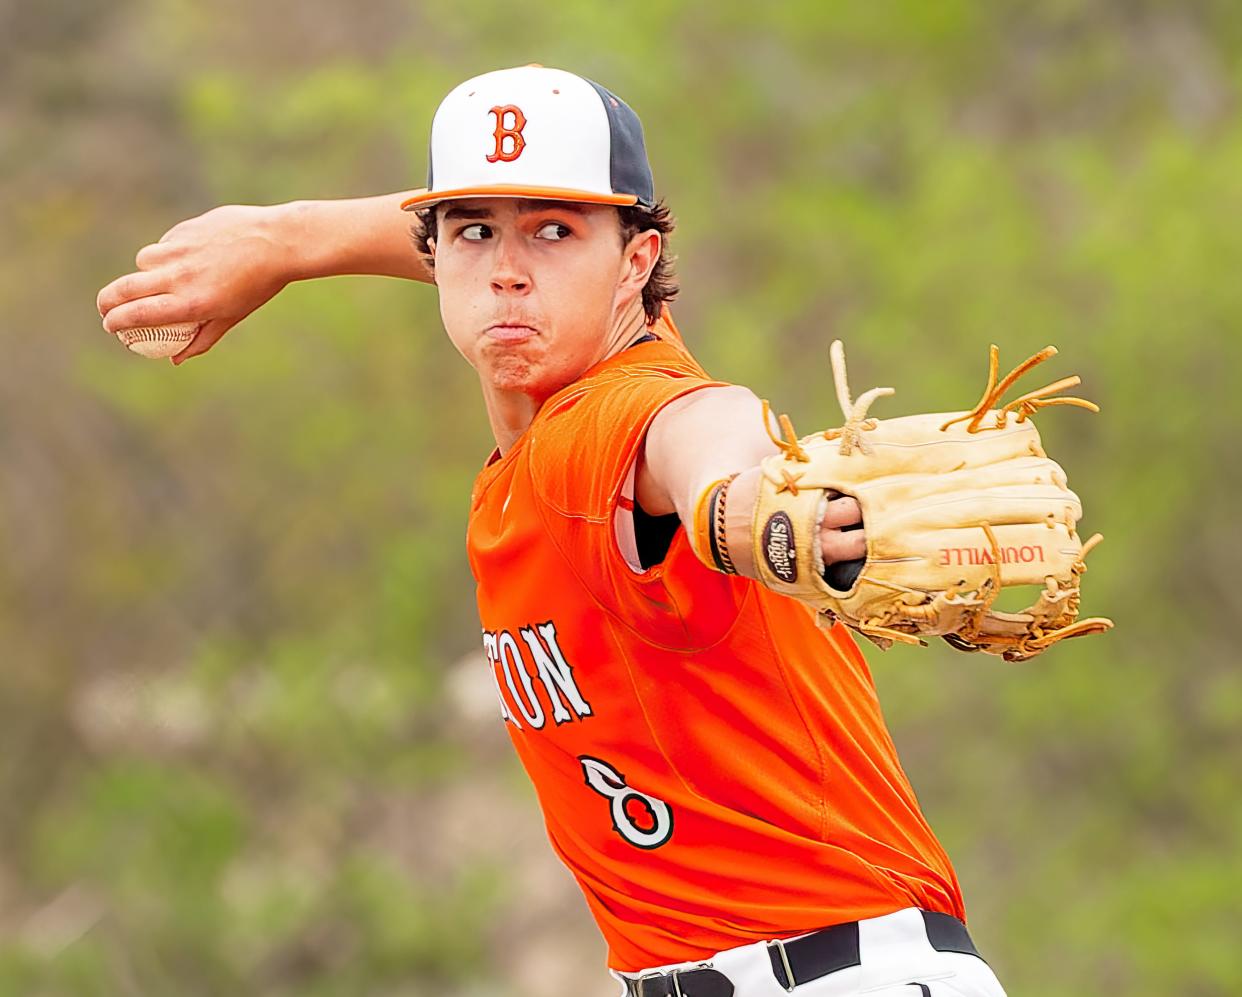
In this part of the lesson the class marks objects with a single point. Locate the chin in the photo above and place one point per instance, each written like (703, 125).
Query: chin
(518, 374)
(510, 376)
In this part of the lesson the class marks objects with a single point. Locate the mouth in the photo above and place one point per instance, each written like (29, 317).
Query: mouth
(510, 332)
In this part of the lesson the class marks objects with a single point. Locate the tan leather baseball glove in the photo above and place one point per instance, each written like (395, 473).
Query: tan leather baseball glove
(956, 507)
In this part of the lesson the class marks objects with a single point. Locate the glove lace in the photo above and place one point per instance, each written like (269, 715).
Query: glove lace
(1028, 404)
(855, 412)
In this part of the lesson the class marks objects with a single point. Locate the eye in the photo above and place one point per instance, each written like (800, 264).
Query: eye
(475, 233)
(554, 231)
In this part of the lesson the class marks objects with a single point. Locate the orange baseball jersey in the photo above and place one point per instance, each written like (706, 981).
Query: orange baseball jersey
(712, 767)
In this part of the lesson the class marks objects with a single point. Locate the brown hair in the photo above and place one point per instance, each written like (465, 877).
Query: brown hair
(661, 285)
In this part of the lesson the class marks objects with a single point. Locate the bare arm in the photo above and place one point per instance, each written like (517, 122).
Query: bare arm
(220, 266)
(709, 435)
(364, 235)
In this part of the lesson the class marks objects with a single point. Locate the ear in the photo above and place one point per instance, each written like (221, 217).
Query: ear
(638, 259)
(431, 259)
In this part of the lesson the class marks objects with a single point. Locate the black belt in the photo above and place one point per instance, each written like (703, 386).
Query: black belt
(799, 961)
(831, 949)
(702, 982)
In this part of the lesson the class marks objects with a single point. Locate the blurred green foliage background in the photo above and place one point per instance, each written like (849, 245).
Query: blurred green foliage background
(246, 742)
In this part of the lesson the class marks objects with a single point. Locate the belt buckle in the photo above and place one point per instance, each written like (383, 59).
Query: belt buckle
(672, 975)
(789, 976)
(638, 989)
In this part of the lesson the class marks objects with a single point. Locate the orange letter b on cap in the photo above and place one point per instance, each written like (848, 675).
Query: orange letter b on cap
(515, 133)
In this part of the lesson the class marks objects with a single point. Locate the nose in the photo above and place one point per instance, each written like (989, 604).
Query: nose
(509, 271)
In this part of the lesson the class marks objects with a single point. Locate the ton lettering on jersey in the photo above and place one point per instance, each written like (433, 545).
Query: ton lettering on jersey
(533, 654)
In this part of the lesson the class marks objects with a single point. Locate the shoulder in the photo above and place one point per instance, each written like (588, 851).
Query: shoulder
(584, 441)
(623, 386)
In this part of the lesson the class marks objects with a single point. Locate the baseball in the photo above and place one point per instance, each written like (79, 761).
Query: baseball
(157, 341)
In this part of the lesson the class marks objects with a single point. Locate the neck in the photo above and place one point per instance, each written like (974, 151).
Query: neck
(511, 412)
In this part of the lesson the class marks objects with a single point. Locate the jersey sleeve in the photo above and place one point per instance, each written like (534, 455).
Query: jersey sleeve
(581, 455)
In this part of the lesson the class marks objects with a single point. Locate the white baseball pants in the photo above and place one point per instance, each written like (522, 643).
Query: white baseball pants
(896, 961)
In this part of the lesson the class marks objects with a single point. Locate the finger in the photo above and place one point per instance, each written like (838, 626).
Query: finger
(205, 339)
(132, 285)
(154, 254)
(838, 546)
(155, 309)
(842, 512)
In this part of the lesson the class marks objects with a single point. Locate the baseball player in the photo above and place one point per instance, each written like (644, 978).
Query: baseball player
(712, 765)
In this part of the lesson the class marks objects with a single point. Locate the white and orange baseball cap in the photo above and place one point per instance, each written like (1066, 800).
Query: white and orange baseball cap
(539, 133)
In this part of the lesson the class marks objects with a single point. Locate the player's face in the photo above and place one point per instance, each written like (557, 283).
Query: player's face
(530, 291)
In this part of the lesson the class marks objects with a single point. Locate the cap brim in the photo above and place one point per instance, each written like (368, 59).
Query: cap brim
(426, 198)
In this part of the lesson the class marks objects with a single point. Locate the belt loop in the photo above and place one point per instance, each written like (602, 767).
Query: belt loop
(789, 976)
